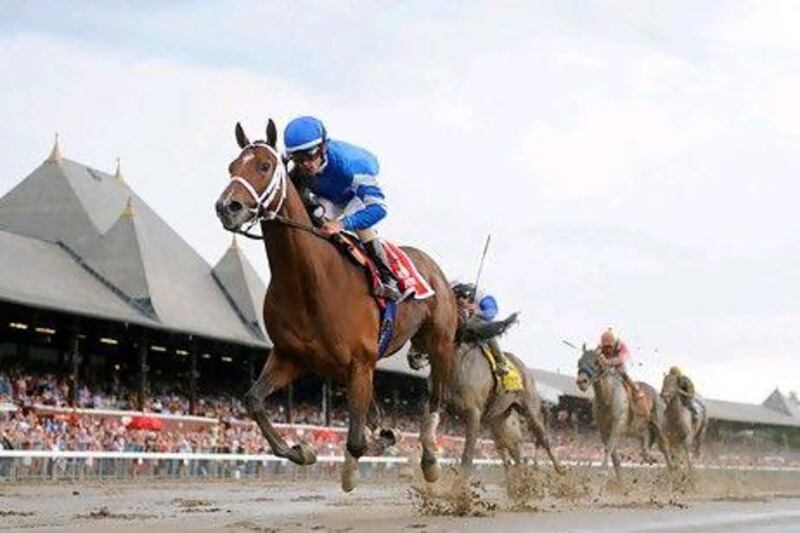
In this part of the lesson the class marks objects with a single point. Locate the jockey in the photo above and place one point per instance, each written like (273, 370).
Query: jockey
(343, 178)
(475, 305)
(686, 391)
(614, 353)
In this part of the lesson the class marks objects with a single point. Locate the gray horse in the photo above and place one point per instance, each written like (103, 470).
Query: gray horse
(472, 392)
(616, 415)
(683, 431)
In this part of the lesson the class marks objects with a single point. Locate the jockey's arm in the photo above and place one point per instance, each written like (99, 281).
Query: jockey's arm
(366, 188)
(621, 356)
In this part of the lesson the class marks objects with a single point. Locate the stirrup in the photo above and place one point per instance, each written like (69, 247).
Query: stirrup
(387, 291)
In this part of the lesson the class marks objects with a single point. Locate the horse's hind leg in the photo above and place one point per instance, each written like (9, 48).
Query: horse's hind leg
(536, 426)
(440, 350)
(278, 372)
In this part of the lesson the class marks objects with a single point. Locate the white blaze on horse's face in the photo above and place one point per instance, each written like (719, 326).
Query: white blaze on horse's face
(257, 189)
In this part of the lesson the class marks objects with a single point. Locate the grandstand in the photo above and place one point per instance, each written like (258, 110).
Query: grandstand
(98, 292)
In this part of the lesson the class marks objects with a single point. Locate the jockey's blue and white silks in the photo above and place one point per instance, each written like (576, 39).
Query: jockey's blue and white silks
(348, 180)
(303, 133)
(486, 306)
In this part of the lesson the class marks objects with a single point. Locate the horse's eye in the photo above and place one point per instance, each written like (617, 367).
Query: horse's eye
(263, 167)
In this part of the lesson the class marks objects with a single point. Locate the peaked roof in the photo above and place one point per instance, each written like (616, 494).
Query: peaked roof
(778, 402)
(238, 279)
(99, 221)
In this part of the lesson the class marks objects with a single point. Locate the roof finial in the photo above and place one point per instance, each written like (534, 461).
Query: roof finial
(55, 154)
(234, 244)
(128, 211)
(118, 173)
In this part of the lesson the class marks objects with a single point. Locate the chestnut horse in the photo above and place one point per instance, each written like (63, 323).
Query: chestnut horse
(319, 310)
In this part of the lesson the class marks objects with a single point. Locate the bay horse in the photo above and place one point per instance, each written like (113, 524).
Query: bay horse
(684, 432)
(472, 391)
(616, 415)
(319, 311)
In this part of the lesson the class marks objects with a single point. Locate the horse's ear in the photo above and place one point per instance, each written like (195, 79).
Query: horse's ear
(272, 133)
(241, 138)
(583, 347)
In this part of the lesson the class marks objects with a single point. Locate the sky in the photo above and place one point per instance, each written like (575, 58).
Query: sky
(635, 163)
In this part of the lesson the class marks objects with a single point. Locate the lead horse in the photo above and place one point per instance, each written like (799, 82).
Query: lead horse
(319, 311)
(615, 413)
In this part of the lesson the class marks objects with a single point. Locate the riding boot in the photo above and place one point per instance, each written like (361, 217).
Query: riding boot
(499, 357)
(692, 406)
(637, 391)
(389, 288)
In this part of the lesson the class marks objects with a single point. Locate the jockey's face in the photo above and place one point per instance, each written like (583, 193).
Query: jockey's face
(309, 163)
(607, 349)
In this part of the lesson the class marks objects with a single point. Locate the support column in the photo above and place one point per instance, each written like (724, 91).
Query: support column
(143, 370)
(326, 401)
(193, 375)
(289, 402)
(251, 367)
(75, 362)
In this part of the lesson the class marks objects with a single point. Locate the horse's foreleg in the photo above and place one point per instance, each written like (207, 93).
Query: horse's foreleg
(663, 445)
(359, 398)
(614, 438)
(278, 372)
(644, 442)
(473, 429)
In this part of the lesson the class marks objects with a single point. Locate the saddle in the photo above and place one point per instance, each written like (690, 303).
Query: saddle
(509, 382)
(409, 280)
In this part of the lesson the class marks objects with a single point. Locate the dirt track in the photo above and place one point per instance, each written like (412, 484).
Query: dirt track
(583, 500)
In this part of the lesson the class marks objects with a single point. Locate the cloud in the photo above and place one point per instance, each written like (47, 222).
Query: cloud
(631, 173)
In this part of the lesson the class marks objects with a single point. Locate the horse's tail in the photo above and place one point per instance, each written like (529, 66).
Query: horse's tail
(478, 331)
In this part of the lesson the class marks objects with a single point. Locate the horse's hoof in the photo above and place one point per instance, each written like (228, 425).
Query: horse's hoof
(303, 454)
(349, 473)
(431, 470)
(388, 437)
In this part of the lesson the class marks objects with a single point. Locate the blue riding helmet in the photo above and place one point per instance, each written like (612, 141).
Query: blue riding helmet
(303, 133)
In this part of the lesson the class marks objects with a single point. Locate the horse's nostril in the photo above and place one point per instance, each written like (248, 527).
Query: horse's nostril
(234, 207)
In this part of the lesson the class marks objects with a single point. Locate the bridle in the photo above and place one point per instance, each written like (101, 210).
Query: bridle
(275, 190)
(592, 371)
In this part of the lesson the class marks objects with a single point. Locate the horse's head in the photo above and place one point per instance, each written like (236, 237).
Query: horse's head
(588, 369)
(257, 188)
(669, 387)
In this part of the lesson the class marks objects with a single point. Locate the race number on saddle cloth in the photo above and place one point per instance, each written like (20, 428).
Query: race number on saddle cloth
(412, 284)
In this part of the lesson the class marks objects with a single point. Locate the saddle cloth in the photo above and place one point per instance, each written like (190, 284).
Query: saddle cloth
(510, 382)
(409, 280)
(642, 406)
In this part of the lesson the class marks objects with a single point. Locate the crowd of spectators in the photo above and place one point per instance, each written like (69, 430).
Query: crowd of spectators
(24, 424)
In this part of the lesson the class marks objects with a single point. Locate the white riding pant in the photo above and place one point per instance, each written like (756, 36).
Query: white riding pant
(336, 212)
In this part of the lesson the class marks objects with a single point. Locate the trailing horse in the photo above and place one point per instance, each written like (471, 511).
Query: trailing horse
(473, 392)
(684, 432)
(616, 414)
(318, 309)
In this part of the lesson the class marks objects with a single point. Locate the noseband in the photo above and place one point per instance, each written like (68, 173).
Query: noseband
(276, 189)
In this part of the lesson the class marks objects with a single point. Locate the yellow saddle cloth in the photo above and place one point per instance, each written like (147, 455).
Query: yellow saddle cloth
(510, 382)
